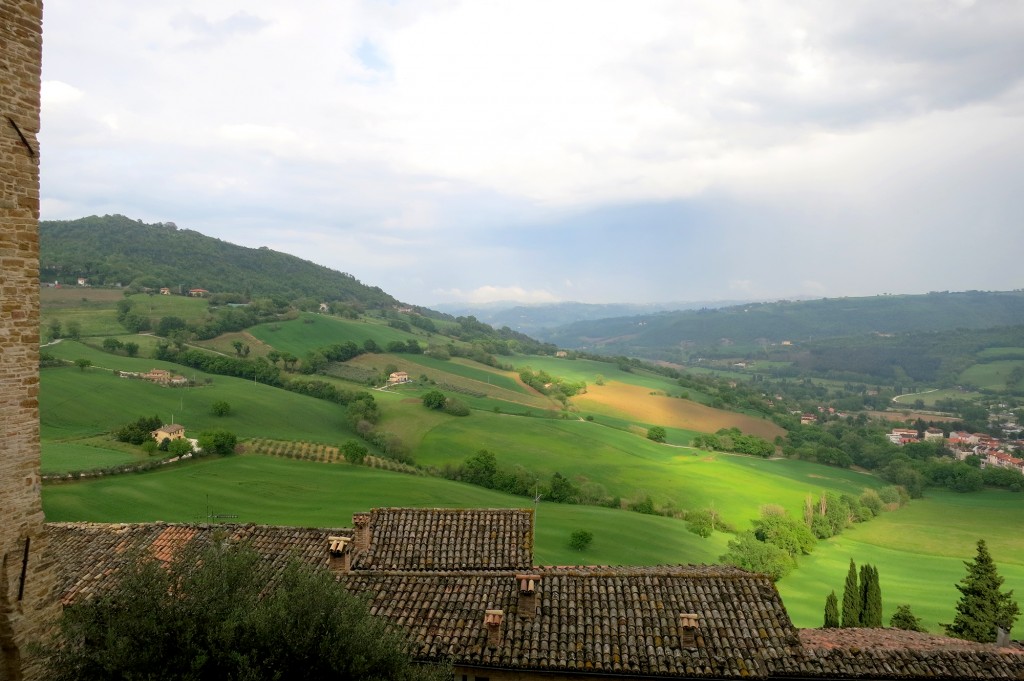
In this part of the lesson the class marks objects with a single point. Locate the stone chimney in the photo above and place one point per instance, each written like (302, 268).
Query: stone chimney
(493, 620)
(340, 554)
(361, 521)
(688, 629)
(528, 595)
(1002, 637)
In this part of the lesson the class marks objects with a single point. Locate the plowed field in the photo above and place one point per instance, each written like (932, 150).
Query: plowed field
(637, 402)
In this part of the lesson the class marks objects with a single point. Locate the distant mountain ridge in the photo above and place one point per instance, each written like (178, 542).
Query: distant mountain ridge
(534, 318)
(116, 250)
(664, 335)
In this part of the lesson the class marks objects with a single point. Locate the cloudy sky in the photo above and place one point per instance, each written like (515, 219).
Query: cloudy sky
(598, 151)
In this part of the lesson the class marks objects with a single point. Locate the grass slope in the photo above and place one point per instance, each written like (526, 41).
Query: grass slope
(313, 331)
(284, 492)
(920, 552)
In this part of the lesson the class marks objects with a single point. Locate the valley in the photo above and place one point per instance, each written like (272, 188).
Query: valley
(595, 439)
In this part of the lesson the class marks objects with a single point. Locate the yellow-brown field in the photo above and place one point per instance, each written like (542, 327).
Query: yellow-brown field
(637, 402)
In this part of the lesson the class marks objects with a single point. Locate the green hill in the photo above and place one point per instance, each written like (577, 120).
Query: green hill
(116, 250)
(666, 335)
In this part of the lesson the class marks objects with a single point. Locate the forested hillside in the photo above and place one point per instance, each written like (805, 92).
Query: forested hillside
(667, 335)
(114, 249)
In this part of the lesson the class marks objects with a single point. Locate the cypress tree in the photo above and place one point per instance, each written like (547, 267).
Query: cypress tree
(871, 597)
(831, 611)
(982, 606)
(852, 605)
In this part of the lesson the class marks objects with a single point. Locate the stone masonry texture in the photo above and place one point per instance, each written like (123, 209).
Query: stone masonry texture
(27, 604)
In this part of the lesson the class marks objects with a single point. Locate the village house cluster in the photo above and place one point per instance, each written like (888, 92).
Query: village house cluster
(992, 451)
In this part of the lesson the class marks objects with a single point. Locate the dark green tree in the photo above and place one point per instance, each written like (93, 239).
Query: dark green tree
(903, 618)
(983, 607)
(220, 408)
(354, 452)
(217, 441)
(480, 468)
(750, 554)
(831, 611)
(562, 490)
(871, 597)
(776, 527)
(434, 399)
(580, 540)
(83, 363)
(131, 348)
(656, 433)
(221, 613)
(852, 605)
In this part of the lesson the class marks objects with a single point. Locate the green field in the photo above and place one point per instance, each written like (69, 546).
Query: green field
(261, 489)
(77, 404)
(990, 375)
(930, 397)
(920, 552)
(313, 331)
(63, 457)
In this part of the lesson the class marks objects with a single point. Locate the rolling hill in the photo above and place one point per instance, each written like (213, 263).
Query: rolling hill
(114, 250)
(665, 335)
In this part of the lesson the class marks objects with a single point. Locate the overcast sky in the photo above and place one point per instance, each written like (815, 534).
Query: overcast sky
(595, 151)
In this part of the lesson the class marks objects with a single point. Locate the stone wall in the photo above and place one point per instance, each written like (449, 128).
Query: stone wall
(27, 607)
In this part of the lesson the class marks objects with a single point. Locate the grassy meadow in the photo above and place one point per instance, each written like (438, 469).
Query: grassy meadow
(260, 489)
(314, 331)
(920, 552)
(990, 375)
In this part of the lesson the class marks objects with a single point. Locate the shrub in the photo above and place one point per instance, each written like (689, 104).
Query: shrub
(220, 613)
(455, 407)
(354, 452)
(434, 399)
(220, 408)
(657, 434)
(580, 540)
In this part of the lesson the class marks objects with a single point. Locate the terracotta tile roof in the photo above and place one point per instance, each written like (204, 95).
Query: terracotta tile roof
(448, 539)
(87, 554)
(610, 620)
(898, 654)
(591, 620)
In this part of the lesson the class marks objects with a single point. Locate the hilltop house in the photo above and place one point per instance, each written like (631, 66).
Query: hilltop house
(462, 583)
(172, 431)
(398, 377)
(198, 292)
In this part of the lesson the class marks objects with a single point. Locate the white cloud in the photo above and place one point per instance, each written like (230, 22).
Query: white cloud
(430, 134)
(55, 93)
(491, 294)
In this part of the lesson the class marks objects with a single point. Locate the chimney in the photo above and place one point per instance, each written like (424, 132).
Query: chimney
(361, 521)
(527, 595)
(340, 554)
(688, 629)
(1002, 637)
(493, 620)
